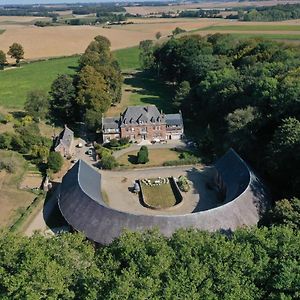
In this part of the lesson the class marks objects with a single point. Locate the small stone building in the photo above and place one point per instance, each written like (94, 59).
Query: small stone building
(140, 123)
(64, 143)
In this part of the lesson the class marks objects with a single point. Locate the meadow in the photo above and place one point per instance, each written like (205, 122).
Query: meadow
(15, 83)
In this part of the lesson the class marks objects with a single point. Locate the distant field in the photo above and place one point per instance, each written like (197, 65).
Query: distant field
(16, 83)
(254, 28)
(287, 37)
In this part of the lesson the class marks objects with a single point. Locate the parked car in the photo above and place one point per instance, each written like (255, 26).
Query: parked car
(80, 145)
(90, 151)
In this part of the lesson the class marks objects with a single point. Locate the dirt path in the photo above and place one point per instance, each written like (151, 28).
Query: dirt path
(39, 223)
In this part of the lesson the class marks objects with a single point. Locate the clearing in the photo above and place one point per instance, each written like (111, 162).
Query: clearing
(13, 201)
(156, 158)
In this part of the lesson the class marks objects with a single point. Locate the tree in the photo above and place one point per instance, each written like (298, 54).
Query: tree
(37, 104)
(93, 97)
(55, 161)
(16, 51)
(146, 54)
(158, 35)
(178, 30)
(2, 60)
(286, 212)
(182, 92)
(142, 156)
(62, 99)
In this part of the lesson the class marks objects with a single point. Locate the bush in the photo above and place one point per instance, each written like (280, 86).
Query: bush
(108, 162)
(124, 141)
(5, 140)
(8, 165)
(142, 156)
(55, 161)
(114, 143)
(102, 151)
(183, 184)
(190, 160)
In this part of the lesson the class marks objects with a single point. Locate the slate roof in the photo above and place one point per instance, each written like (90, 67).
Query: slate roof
(174, 119)
(136, 115)
(110, 123)
(80, 202)
(65, 138)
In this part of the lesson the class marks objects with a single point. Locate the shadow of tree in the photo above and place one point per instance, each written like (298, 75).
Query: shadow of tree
(132, 159)
(154, 91)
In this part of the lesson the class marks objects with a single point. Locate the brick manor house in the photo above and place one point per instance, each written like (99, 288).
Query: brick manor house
(140, 123)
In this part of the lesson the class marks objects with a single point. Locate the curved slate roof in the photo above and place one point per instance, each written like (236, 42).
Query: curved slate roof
(81, 204)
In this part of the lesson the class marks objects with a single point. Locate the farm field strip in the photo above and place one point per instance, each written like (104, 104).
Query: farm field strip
(247, 27)
(292, 37)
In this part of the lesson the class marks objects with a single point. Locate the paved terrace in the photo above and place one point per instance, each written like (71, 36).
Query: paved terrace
(117, 184)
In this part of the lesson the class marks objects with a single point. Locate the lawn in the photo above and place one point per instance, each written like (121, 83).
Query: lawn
(16, 83)
(156, 158)
(254, 28)
(160, 196)
(13, 200)
(128, 58)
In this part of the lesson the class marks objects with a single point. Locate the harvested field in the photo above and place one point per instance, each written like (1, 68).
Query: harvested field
(145, 10)
(68, 40)
(19, 19)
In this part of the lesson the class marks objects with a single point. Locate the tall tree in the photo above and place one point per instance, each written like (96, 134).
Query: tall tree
(16, 51)
(62, 99)
(93, 95)
(146, 54)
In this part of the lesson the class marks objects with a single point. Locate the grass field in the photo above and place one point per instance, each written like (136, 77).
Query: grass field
(128, 58)
(156, 158)
(254, 28)
(16, 83)
(13, 200)
(161, 196)
(284, 37)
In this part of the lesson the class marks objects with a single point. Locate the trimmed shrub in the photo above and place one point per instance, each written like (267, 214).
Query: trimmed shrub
(142, 156)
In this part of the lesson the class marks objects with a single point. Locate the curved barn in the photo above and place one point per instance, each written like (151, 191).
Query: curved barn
(81, 203)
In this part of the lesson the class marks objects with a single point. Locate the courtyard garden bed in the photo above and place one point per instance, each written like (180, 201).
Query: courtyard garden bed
(160, 193)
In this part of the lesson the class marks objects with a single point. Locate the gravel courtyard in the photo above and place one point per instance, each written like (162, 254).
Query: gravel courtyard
(117, 186)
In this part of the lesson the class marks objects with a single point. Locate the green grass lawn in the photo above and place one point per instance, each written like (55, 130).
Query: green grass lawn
(254, 28)
(156, 158)
(128, 58)
(16, 83)
(160, 196)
